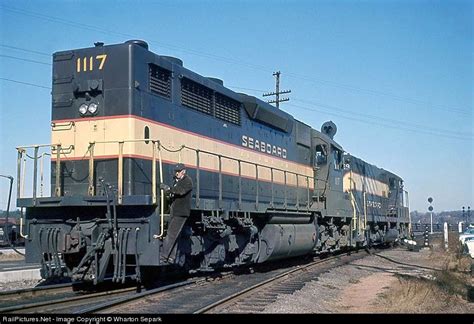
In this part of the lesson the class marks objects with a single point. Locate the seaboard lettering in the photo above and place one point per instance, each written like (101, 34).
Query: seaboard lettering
(264, 147)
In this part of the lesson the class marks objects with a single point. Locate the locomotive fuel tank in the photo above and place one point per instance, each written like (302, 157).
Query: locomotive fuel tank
(286, 240)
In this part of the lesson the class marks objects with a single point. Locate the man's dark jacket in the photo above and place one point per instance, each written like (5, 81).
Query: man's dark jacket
(181, 197)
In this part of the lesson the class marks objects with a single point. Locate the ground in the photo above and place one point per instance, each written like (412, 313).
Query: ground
(389, 281)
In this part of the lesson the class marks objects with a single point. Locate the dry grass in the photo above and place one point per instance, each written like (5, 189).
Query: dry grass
(449, 292)
(413, 295)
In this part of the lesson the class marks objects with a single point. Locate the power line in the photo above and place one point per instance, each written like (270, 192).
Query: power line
(26, 83)
(248, 89)
(237, 62)
(25, 50)
(115, 33)
(381, 118)
(332, 108)
(381, 93)
(23, 59)
(417, 130)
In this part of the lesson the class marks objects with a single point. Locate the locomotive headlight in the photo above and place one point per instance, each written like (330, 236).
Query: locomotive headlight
(83, 109)
(93, 108)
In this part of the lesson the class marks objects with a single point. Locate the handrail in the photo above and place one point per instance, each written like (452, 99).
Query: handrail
(258, 165)
(256, 187)
(162, 195)
(409, 215)
(198, 179)
(42, 172)
(35, 175)
(62, 126)
(355, 207)
(58, 171)
(153, 175)
(200, 151)
(120, 173)
(21, 225)
(91, 188)
(297, 193)
(35, 145)
(272, 201)
(365, 210)
(220, 182)
(157, 146)
(307, 191)
(21, 167)
(251, 163)
(18, 170)
(240, 185)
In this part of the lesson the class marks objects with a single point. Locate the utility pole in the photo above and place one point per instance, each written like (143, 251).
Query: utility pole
(277, 92)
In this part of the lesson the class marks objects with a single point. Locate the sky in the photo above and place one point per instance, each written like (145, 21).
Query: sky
(396, 77)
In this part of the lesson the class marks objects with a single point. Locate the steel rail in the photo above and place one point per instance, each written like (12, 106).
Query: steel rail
(114, 303)
(63, 302)
(266, 283)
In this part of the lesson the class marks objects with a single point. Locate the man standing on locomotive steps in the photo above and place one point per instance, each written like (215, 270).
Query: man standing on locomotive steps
(180, 195)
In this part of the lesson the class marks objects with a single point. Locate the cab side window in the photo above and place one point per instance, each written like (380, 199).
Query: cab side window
(320, 157)
(337, 155)
(392, 184)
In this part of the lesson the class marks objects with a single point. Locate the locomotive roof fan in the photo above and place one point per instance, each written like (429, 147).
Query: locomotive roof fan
(329, 129)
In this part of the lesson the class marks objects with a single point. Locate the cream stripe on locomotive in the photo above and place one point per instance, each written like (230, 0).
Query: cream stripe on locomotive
(372, 186)
(114, 129)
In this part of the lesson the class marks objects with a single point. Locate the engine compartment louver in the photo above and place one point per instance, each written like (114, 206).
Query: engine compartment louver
(160, 81)
(196, 96)
(227, 109)
(208, 101)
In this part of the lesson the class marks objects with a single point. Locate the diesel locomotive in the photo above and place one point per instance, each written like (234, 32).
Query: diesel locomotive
(266, 185)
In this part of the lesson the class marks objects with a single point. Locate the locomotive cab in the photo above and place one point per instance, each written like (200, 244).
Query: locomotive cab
(328, 174)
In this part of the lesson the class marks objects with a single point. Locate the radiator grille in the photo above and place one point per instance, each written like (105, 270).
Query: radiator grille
(196, 96)
(227, 109)
(160, 81)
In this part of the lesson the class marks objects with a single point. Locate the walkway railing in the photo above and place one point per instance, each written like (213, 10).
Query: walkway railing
(56, 150)
(302, 180)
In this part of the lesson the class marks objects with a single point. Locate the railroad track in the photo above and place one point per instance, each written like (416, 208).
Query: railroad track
(256, 297)
(13, 297)
(67, 304)
(227, 292)
(67, 297)
(109, 306)
(246, 293)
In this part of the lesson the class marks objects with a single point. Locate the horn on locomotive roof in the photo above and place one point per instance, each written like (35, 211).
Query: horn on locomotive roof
(329, 128)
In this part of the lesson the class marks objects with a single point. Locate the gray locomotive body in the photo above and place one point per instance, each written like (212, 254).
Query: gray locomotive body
(266, 186)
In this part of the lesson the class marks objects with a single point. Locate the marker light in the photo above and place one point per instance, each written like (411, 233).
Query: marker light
(83, 109)
(93, 108)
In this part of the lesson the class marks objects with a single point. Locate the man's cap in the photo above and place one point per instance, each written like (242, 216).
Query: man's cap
(179, 167)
